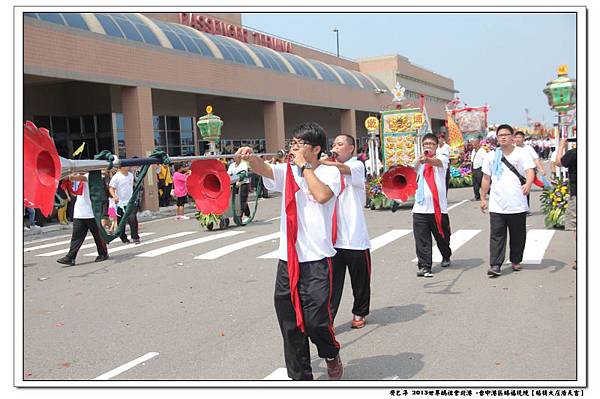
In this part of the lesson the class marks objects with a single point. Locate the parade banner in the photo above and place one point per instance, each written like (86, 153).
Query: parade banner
(455, 137)
(471, 121)
(399, 140)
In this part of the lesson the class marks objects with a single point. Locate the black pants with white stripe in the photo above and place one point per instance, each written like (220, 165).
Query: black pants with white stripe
(80, 229)
(314, 287)
(499, 224)
(423, 227)
(358, 262)
(477, 178)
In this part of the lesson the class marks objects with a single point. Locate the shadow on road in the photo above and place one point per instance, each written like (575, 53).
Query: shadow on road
(386, 316)
(546, 263)
(446, 285)
(384, 367)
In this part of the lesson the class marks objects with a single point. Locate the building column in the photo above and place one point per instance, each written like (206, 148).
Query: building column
(136, 104)
(348, 122)
(274, 126)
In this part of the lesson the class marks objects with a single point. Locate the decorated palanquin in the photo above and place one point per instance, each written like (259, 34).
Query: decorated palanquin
(399, 136)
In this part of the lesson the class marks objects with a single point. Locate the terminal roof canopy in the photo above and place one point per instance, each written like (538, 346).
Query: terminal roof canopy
(139, 28)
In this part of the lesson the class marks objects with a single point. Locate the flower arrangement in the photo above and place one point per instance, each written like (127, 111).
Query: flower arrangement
(209, 220)
(554, 203)
(377, 199)
(460, 176)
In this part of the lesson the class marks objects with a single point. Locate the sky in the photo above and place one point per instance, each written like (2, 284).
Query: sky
(503, 60)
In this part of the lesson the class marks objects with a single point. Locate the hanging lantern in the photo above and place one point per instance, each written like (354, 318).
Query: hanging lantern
(210, 126)
(562, 91)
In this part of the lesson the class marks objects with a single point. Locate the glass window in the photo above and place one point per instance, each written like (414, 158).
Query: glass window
(185, 151)
(88, 124)
(173, 139)
(174, 151)
(74, 19)
(59, 124)
(325, 72)
(299, 65)
(159, 122)
(121, 138)
(174, 40)
(104, 123)
(42, 121)
(187, 138)
(130, 32)
(53, 17)
(105, 143)
(160, 138)
(74, 124)
(120, 122)
(348, 79)
(109, 26)
(172, 123)
(186, 123)
(148, 35)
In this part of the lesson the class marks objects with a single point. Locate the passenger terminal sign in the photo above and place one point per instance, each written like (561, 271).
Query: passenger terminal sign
(215, 26)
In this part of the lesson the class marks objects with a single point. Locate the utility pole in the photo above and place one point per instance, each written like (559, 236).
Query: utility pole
(337, 40)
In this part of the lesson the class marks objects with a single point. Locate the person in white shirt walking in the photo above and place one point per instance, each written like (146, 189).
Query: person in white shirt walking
(430, 211)
(238, 166)
(351, 239)
(519, 141)
(304, 273)
(477, 155)
(83, 220)
(504, 169)
(444, 148)
(121, 190)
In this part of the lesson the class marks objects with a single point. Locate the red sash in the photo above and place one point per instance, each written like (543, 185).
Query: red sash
(291, 214)
(429, 176)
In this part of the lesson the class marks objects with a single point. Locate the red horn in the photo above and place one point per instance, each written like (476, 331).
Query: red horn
(41, 168)
(209, 185)
(399, 183)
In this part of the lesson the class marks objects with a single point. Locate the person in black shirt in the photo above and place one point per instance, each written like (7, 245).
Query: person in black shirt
(569, 160)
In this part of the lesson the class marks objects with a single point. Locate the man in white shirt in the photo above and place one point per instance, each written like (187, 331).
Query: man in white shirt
(508, 198)
(83, 220)
(238, 166)
(303, 281)
(444, 148)
(519, 141)
(430, 211)
(352, 239)
(121, 190)
(477, 155)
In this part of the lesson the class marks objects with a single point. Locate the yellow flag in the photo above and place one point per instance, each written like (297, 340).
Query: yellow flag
(79, 150)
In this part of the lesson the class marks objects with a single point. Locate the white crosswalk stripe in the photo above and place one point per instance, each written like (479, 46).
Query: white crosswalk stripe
(54, 244)
(217, 253)
(535, 246)
(65, 250)
(132, 245)
(279, 374)
(376, 242)
(457, 240)
(185, 244)
(387, 238)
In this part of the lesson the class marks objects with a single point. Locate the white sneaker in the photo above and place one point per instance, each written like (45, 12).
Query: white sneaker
(185, 217)
(35, 226)
(177, 217)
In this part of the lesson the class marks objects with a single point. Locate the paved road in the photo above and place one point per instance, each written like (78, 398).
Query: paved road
(193, 304)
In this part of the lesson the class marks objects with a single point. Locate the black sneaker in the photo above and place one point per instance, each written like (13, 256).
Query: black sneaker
(101, 258)
(66, 261)
(125, 241)
(424, 272)
(136, 241)
(494, 271)
(445, 263)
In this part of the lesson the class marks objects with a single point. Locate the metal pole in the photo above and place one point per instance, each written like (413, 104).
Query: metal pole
(337, 40)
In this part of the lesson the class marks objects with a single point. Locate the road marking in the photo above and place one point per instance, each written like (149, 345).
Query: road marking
(185, 244)
(217, 253)
(62, 251)
(386, 238)
(535, 246)
(47, 239)
(460, 203)
(29, 249)
(270, 220)
(132, 245)
(126, 366)
(376, 242)
(279, 374)
(457, 239)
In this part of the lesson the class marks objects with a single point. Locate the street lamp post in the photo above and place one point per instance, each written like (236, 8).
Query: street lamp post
(562, 97)
(337, 40)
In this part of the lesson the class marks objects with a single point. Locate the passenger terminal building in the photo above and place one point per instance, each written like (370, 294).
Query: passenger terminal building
(132, 82)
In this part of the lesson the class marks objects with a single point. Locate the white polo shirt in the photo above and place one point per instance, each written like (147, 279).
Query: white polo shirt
(477, 157)
(531, 151)
(352, 230)
(314, 220)
(445, 149)
(439, 174)
(506, 195)
(123, 186)
(83, 204)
